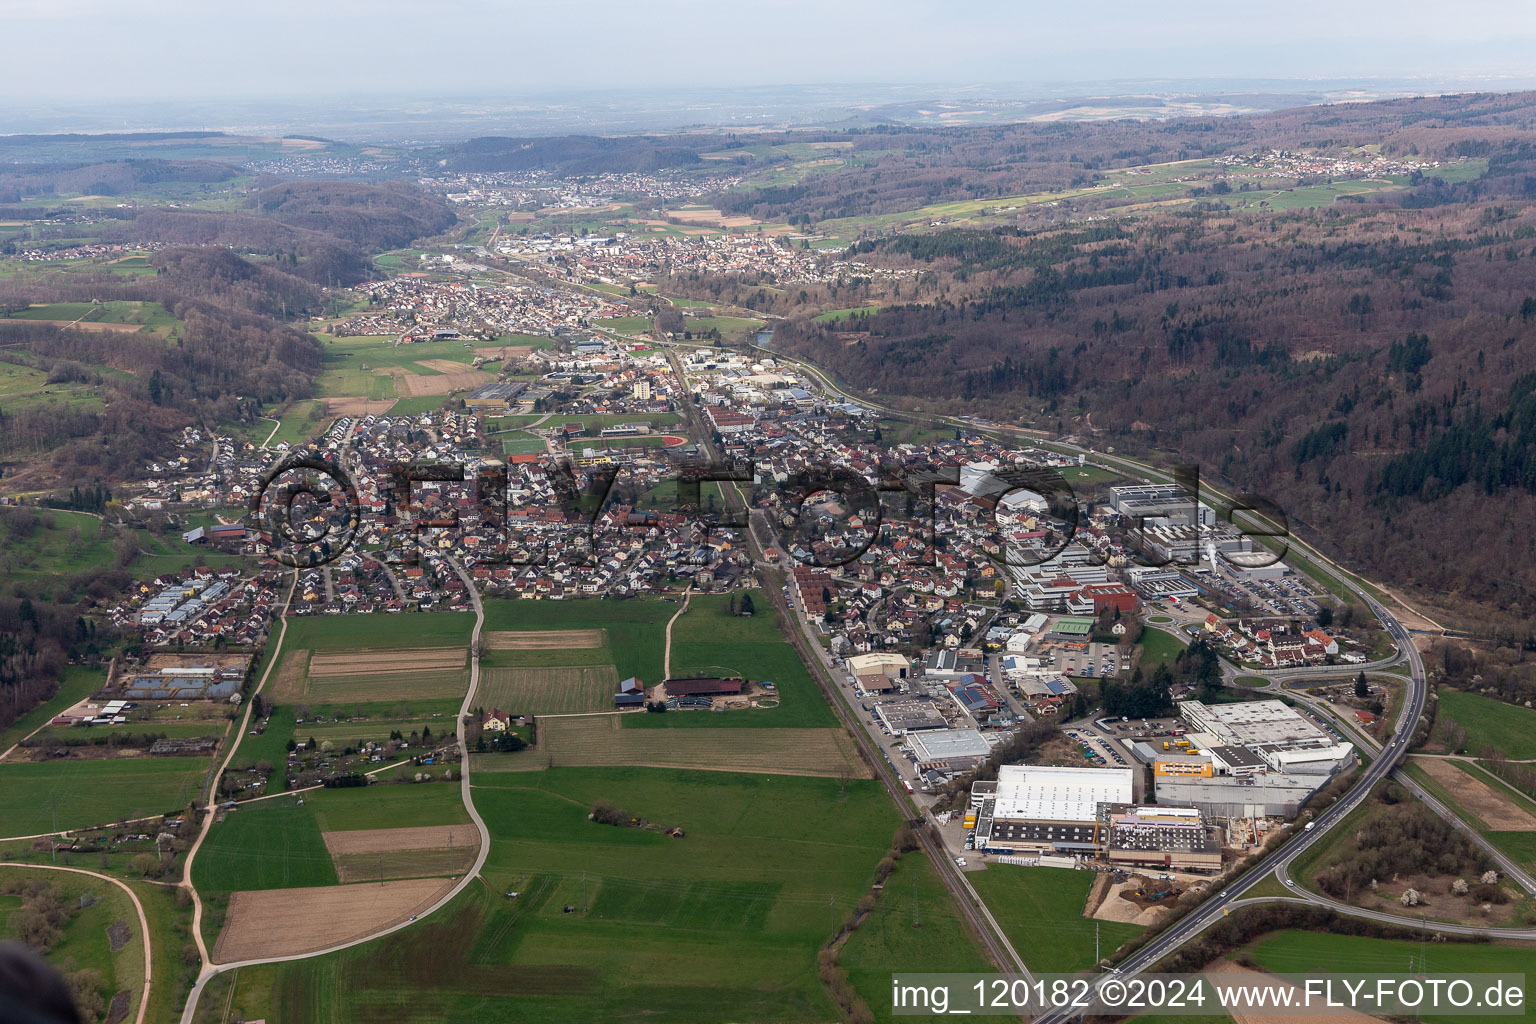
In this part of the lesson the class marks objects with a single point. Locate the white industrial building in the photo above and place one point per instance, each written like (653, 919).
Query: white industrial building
(1285, 739)
(951, 749)
(1255, 758)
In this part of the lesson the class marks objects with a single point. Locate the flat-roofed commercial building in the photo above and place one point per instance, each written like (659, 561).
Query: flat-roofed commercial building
(1046, 808)
(904, 716)
(948, 749)
(1284, 738)
(1173, 838)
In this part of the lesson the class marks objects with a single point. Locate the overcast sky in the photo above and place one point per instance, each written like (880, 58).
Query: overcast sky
(431, 48)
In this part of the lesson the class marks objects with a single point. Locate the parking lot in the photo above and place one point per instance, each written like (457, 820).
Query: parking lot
(1292, 596)
(1096, 748)
(1095, 660)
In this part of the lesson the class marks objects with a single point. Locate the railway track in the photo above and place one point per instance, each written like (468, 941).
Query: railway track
(998, 949)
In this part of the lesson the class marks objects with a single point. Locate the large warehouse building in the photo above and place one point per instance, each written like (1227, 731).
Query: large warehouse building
(1088, 812)
(1033, 807)
(1272, 730)
(1256, 758)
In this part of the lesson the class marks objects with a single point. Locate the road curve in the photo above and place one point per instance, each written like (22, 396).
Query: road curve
(1278, 861)
(214, 970)
(143, 921)
(211, 796)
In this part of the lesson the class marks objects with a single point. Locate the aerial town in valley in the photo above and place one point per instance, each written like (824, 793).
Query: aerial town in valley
(959, 618)
(464, 563)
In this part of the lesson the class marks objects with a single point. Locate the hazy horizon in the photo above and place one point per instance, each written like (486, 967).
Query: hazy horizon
(394, 50)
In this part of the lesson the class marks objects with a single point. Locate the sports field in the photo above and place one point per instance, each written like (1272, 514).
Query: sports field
(548, 691)
(600, 740)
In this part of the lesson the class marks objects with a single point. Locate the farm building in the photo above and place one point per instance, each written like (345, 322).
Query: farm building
(703, 687)
(631, 694)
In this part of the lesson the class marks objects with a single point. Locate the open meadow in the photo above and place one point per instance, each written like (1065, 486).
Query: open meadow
(103, 936)
(1302, 952)
(1506, 728)
(68, 794)
(1041, 912)
(768, 868)
(708, 639)
(634, 631)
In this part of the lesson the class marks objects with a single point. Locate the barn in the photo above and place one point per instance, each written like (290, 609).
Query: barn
(702, 686)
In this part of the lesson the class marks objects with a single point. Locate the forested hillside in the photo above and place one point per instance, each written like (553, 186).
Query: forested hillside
(1371, 366)
(229, 358)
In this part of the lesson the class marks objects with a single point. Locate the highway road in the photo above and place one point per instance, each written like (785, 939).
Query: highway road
(1279, 860)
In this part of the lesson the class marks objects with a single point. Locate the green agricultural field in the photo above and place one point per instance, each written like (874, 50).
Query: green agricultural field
(42, 546)
(1508, 729)
(271, 844)
(914, 923)
(1041, 911)
(625, 324)
(344, 377)
(1301, 952)
(635, 629)
(517, 340)
(417, 406)
(55, 311)
(344, 632)
(406, 710)
(84, 793)
(270, 746)
(708, 639)
(546, 657)
(299, 423)
(811, 851)
(382, 805)
(894, 432)
(83, 943)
